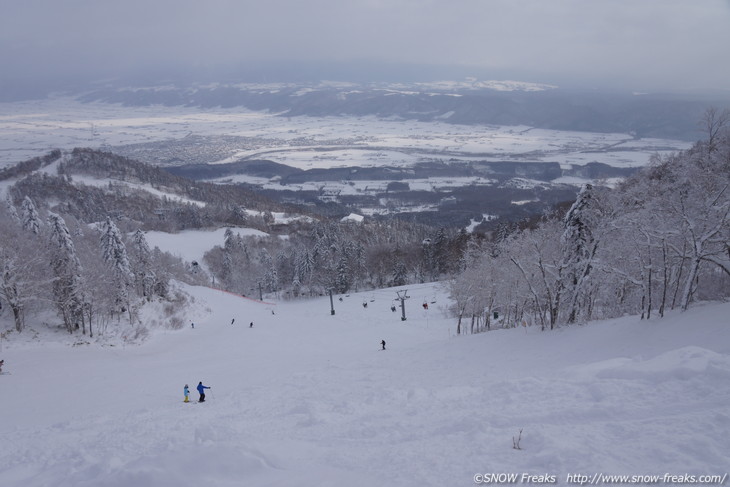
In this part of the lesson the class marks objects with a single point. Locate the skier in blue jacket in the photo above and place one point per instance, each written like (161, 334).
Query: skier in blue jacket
(201, 391)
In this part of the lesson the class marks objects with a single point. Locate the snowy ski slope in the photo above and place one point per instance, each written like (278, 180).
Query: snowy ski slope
(305, 398)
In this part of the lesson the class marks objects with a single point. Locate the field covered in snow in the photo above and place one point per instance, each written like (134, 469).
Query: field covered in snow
(307, 398)
(32, 128)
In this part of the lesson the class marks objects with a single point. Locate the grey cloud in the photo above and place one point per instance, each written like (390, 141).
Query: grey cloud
(663, 43)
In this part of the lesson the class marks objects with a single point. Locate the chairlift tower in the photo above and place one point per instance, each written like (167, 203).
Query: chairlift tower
(402, 296)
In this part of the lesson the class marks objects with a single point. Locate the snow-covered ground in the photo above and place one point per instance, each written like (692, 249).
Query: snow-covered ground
(31, 128)
(306, 398)
(191, 245)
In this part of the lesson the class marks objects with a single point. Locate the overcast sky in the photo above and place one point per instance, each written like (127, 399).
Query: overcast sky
(635, 44)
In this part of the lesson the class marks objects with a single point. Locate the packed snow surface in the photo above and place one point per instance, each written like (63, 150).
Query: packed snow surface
(307, 398)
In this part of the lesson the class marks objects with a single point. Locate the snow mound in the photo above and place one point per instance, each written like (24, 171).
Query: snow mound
(353, 217)
(681, 364)
(189, 466)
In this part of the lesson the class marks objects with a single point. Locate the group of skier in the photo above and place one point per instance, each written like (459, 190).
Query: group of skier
(201, 390)
(250, 325)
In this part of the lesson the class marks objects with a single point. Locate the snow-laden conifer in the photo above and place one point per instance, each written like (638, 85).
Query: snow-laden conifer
(115, 256)
(31, 218)
(10, 293)
(579, 247)
(144, 275)
(67, 284)
(12, 211)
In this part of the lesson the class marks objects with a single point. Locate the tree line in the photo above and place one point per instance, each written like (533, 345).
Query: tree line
(339, 256)
(89, 275)
(659, 240)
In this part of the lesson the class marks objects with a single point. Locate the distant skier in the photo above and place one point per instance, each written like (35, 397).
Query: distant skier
(186, 391)
(1, 366)
(234, 319)
(250, 325)
(382, 342)
(192, 325)
(201, 391)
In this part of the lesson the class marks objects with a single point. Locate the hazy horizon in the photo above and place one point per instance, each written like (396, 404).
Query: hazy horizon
(652, 45)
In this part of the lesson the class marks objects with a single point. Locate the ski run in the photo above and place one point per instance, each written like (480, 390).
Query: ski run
(304, 398)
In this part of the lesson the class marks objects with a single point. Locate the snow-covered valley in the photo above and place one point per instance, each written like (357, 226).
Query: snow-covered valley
(445, 174)
(32, 128)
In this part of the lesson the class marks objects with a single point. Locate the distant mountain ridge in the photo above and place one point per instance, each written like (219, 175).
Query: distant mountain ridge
(470, 102)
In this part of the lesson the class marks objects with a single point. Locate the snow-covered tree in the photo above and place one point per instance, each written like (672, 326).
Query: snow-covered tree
(115, 256)
(67, 284)
(400, 273)
(24, 273)
(342, 282)
(10, 292)
(31, 218)
(439, 253)
(142, 264)
(270, 278)
(579, 245)
(12, 212)
(702, 207)
(304, 266)
(537, 255)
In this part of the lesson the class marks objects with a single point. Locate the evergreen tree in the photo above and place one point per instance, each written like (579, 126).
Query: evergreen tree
(427, 261)
(9, 291)
(115, 256)
(144, 275)
(400, 274)
(578, 249)
(228, 240)
(342, 283)
(360, 270)
(440, 253)
(270, 279)
(67, 285)
(31, 219)
(304, 266)
(11, 210)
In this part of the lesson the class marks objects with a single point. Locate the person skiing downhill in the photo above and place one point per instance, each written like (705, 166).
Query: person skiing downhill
(186, 391)
(382, 342)
(201, 391)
